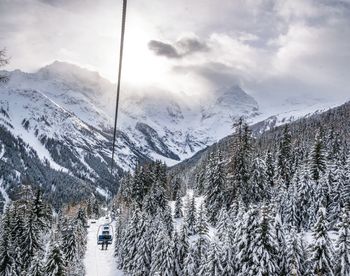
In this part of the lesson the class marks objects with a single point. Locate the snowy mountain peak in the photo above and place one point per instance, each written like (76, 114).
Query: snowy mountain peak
(235, 95)
(64, 69)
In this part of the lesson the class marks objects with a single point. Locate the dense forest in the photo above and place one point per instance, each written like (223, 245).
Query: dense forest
(273, 204)
(37, 241)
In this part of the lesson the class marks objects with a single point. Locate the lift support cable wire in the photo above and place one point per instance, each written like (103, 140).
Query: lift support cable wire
(121, 49)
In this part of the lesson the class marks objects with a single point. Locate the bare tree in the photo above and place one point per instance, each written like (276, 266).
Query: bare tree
(3, 61)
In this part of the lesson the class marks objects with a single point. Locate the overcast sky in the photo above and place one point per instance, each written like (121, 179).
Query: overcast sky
(272, 48)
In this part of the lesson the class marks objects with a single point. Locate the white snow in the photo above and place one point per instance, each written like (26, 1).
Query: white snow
(4, 194)
(99, 262)
(102, 192)
(2, 151)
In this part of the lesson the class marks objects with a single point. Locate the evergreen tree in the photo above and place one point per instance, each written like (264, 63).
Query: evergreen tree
(321, 250)
(215, 198)
(40, 212)
(192, 264)
(36, 268)
(202, 244)
(130, 243)
(191, 219)
(163, 259)
(342, 260)
(284, 158)
(69, 244)
(214, 265)
(31, 245)
(200, 182)
(296, 255)
(82, 216)
(7, 262)
(243, 241)
(223, 225)
(264, 248)
(292, 214)
(317, 159)
(257, 190)
(178, 208)
(181, 250)
(176, 189)
(270, 170)
(168, 221)
(55, 265)
(240, 164)
(143, 254)
(280, 245)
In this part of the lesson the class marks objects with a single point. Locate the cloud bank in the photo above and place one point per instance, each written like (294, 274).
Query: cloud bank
(275, 49)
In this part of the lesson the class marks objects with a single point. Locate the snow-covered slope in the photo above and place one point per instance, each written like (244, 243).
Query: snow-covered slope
(66, 114)
(66, 103)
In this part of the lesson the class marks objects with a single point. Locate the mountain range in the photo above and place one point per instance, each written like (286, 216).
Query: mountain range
(62, 116)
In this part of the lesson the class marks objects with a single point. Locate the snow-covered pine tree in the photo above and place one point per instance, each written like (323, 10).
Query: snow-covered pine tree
(345, 184)
(69, 243)
(149, 202)
(178, 207)
(240, 163)
(181, 244)
(284, 157)
(270, 170)
(138, 187)
(176, 189)
(305, 192)
(160, 196)
(7, 262)
(321, 250)
(192, 264)
(31, 245)
(258, 190)
(223, 225)
(129, 244)
(215, 194)
(163, 259)
(41, 213)
(143, 254)
(226, 233)
(228, 260)
(291, 210)
(317, 159)
(214, 266)
(82, 216)
(191, 217)
(55, 265)
(244, 239)
(202, 243)
(167, 219)
(200, 182)
(342, 257)
(36, 267)
(264, 248)
(334, 206)
(296, 258)
(281, 244)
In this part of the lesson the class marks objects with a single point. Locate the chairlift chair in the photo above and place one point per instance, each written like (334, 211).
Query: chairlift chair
(105, 233)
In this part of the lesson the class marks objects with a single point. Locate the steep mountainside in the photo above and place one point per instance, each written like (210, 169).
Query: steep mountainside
(332, 122)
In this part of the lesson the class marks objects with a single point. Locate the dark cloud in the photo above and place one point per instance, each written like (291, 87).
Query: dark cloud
(190, 45)
(163, 49)
(183, 47)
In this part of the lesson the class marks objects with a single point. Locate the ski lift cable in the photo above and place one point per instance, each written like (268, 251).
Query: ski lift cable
(121, 49)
